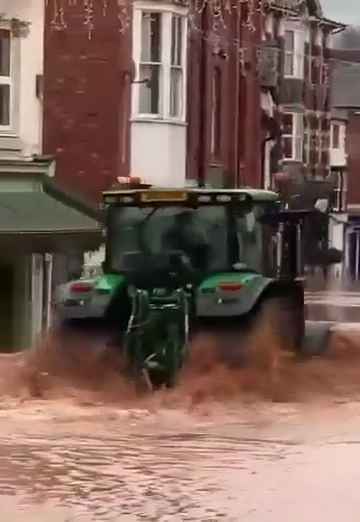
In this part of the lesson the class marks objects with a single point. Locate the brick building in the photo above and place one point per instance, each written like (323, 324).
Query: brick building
(302, 92)
(87, 77)
(171, 95)
(224, 135)
(345, 142)
(36, 218)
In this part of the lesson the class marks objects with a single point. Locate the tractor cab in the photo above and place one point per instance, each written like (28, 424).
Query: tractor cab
(158, 233)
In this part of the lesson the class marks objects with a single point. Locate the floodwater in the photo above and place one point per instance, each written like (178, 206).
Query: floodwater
(277, 442)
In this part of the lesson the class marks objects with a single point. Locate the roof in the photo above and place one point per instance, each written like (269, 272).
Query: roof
(305, 8)
(255, 194)
(38, 212)
(36, 215)
(347, 40)
(345, 83)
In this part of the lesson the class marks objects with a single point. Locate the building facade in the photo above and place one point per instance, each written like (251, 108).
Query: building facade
(88, 72)
(224, 98)
(172, 98)
(302, 110)
(345, 143)
(35, 219)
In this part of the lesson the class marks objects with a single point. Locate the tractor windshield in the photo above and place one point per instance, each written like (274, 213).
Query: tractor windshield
(213, 238)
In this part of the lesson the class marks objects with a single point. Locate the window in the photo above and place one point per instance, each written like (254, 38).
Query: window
(215, 148)
(205, 235)
(159, 50)
(307, 144)
(293, 136)
(5, 79)
(201, 234)
(335, 136)
(176, 72)
(289, 53)
(294, 54)
(150, 65)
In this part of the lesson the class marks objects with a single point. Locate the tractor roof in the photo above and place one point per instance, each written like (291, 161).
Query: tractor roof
(172, 195)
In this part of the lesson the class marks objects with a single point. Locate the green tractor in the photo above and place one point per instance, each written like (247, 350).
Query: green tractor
(179, 261)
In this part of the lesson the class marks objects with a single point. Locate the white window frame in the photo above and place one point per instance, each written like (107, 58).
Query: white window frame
(298, 52)
(13, 80)
(296, 136)
(167, 12)
(307, 144)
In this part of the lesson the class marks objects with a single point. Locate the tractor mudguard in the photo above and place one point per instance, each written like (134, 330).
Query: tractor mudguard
(230, 294)
(88, 298)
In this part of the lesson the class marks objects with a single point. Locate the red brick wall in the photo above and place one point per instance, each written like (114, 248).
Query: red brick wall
(250, 133)
(240, 154)
(353, 140)
(87, 99)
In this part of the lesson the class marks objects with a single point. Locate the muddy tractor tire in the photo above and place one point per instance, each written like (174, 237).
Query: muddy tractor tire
(283, 318)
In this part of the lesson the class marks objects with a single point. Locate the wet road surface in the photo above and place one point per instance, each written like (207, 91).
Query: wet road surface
(264, 462)
(217, 448)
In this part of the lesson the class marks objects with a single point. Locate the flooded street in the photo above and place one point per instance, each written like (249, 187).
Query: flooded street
(219, 447)
(264, 462)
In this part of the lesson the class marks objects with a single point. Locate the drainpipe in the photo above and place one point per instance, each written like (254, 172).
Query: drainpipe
(237, 100)
(203, 105)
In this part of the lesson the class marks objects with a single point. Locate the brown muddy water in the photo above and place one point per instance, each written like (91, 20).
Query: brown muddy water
(277, 441)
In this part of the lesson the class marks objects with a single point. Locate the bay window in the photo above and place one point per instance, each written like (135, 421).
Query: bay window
(160, 55)
(5, 79)
(289, 53)
(293, 136)
(307, 143)
(176, 72)
(150, 64)
(294, 54)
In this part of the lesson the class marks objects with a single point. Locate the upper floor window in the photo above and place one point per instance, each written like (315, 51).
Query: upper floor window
(294, 50)
(5, 79)
(307, 143)
(289, 66)
(150, 63)
(293, 136)
(176, 66)
(159, 51)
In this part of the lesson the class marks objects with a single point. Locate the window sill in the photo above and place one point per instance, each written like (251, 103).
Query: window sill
(10, 142)
(216, 163)
(299, 78)
(161, 121)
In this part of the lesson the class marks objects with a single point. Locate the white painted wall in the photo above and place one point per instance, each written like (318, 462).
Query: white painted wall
(338, 157)
(158, 152)
(30, 63)
(158, 141)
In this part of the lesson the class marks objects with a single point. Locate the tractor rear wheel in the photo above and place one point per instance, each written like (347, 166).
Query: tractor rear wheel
(284, 320)
(276, 323)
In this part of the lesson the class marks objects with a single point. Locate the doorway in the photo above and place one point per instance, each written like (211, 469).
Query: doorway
(7, 322)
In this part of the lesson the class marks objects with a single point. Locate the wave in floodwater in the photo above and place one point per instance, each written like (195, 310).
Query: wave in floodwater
(82, 368)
